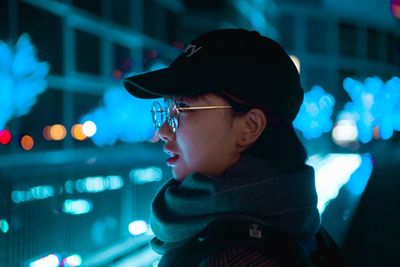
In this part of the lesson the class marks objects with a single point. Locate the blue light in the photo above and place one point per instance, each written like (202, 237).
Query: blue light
(331, 173)
(146, 175)
(51, 260)
(4, 226)
(77, 206)
(360, 177)
(314, 117)
(96, 184)
(374, 104)
(22, 79)
(34, 193)
(138, 227)
(73, 260)
(122, 117)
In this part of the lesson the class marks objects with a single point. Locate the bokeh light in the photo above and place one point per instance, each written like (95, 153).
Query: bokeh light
(145, 175)
(122, 117)
(22, 78)
(4, 226)
(51, 260)
(77, 206)
(344, 132)
(374, 105)
(77, 132)
(73, 260)
(33, 193)
(46, 133)
(89, 128)
(58, 132)
(137, 227)
(27, 142)
(314, 117)
(5, 137)
(395, 8)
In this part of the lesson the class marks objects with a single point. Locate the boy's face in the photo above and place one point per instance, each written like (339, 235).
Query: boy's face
(205, 140)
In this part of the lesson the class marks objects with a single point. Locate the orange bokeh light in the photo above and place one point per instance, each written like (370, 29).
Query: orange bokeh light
(27, 142)
(58, 132)
(77, 132)
(46, 133)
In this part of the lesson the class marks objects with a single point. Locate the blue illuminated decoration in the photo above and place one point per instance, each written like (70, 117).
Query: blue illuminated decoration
(34, 193)
(138, 227)
(360, 177)
(95, 184)
(22, 79)
(77, 206)
(314, 117)
(52, 260)
(122, 117)
(72, 261)
(374, 104)
(333, 171)
(4, 226)
(146, 175)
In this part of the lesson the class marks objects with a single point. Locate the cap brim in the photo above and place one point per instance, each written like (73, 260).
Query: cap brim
(162, 82)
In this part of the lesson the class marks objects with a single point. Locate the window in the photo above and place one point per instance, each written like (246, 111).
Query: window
(87, 53)
(316, 35)
(393, 49)
(373, 44)
(348, 39)
(45, 32)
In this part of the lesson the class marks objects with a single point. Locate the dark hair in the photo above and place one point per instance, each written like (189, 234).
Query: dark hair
(279, 143)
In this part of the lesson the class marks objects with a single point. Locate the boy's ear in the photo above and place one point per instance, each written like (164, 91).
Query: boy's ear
(252, 125)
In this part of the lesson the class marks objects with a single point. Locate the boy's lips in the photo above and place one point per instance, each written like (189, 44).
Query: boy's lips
(171, 161)
(174, 156)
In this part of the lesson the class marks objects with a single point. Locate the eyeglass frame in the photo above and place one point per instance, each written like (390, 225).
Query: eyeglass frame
(173, 122)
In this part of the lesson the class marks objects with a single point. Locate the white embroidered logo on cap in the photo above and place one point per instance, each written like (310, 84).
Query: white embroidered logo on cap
(192, 49)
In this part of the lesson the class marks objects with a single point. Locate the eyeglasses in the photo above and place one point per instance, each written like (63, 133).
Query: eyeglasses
(170, 113)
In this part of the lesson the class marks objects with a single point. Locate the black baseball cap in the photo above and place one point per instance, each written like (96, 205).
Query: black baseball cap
(237, 62)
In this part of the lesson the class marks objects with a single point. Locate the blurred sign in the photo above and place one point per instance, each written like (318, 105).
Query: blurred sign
(395, 8)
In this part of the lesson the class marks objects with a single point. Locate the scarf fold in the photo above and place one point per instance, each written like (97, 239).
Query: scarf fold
(250, 190)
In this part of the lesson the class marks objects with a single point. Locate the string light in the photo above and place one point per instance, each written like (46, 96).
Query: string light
(5, 137)
(27, 142)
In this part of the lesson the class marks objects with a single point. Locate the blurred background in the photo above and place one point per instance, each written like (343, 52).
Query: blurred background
(79, 163)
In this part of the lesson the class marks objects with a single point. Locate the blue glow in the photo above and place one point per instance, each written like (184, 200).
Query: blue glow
(122, 117)
(77, 206)
(360, 177)
(374, 104)
(146, 175)
(332, 172)
(314, 117)
(95, 184)
(138, 227)
(22, 79)
(34, 193)
(89, 128)
(73, 260)
(4, 226)
(51, 260)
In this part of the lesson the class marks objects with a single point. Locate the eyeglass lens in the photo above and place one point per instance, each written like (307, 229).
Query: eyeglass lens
(161, 114)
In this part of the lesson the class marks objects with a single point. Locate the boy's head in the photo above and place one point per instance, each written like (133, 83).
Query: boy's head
(245, 82)
(233, 61)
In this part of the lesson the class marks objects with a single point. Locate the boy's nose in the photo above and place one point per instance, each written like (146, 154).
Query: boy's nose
(165, 133)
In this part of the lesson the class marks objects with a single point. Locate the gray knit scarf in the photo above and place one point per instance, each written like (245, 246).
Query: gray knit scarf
(250, 190)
